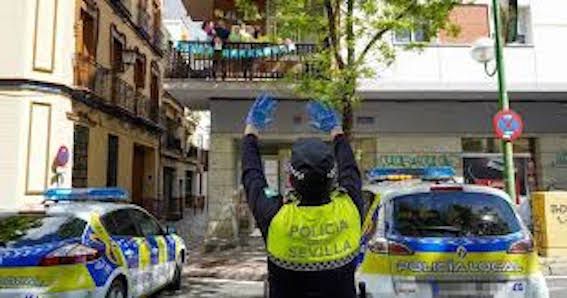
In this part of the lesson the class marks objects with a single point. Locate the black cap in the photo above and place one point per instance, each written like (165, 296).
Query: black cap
(312, 157)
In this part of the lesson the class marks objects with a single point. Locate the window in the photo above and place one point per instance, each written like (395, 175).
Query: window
(112, 161)
(117, 46)
(26, 230)
(140, 71)
(120, 223)
(418, 34)
(88, 34)
(80, 156)
(147, 225)
(453, 214)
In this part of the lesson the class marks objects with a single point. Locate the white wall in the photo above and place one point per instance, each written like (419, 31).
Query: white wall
(53, 41)
(539, 66)
(27, 156)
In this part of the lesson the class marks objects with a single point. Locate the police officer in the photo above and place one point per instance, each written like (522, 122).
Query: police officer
(313, 238)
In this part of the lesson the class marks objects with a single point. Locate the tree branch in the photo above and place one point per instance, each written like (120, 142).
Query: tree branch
(379, 35)
(334, 41)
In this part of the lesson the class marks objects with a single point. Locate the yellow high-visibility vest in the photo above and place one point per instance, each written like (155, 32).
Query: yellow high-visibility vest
(315, 238)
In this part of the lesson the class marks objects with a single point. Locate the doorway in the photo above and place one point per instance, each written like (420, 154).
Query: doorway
(138, 175)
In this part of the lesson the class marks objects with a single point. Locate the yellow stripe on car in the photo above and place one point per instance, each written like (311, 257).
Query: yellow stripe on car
(144, 253)
(162, 249)
(56, 278)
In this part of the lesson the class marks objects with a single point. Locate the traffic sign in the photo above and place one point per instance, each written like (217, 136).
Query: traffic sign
(508, 125)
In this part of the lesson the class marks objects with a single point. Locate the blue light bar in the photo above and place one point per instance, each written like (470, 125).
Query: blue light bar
(106, 194)
(429, 173)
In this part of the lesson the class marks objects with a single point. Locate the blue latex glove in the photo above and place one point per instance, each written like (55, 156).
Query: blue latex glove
(261, 114)
(323, 117)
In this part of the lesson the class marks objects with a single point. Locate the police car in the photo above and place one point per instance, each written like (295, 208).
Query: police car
(84, 243)
(430, 237)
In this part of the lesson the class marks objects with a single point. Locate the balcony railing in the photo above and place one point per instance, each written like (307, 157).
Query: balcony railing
(108, 86)
(144, 22)
(173, 143)
(250, 61)
(158, 39)
(122, 6)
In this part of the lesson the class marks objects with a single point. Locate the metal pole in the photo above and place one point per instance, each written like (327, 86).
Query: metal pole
(503, 104)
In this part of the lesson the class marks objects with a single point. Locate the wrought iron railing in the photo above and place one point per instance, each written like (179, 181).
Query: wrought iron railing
(196, 59)
(173, 143)
(144, 22)
(108, 86)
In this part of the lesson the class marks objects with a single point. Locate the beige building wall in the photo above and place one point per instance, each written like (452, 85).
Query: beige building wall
(128, 135)
(107, 18)
(33, 125)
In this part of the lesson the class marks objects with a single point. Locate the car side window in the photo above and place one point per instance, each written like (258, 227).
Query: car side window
(119, 223)
(147, 225)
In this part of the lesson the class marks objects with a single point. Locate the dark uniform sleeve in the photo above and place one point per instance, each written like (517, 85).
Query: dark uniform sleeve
(263, 208)
(349, 175)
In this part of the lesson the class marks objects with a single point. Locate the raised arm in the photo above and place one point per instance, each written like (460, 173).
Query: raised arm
(324, 118)
(349, 176)
(263, 204)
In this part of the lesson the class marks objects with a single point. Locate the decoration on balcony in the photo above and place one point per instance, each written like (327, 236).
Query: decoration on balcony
(244, 50)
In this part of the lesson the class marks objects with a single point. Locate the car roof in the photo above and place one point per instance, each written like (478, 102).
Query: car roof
(84, 210)
(389, 191)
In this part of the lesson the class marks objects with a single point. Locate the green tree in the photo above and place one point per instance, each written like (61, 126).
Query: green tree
(349, 34)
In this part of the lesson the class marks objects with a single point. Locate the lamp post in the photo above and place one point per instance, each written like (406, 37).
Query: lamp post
(484, 51)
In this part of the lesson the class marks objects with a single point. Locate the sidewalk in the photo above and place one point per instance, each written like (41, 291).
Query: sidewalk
(246, 263)
(553, 266)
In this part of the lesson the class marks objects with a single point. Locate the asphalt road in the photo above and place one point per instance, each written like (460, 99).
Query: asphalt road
(557, 286)
(209, 288)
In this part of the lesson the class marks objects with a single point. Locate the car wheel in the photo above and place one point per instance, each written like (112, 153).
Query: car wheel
(117, 289)
(175, 284)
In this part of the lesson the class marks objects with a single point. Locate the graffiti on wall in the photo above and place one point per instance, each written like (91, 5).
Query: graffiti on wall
(417, 160)
(560, 160)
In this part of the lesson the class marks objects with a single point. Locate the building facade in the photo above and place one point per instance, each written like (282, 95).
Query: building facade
(432, 107)
(82, 77)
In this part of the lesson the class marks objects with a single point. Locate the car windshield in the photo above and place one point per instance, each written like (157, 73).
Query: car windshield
(453, 214)
(24, 230)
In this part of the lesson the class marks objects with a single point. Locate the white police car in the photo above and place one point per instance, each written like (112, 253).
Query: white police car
(83, 243)
(429, 238)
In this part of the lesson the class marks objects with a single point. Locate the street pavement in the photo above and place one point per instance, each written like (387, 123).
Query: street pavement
(239, 272)
(212, 287)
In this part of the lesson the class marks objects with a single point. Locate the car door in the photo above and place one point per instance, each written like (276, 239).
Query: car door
(160, 270)
(124, 232)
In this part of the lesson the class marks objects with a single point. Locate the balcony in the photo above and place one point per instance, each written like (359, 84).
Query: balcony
(173, 143)
(158, 40)
(239, 61)
(144, 22)
(112, 90)
(122, 7)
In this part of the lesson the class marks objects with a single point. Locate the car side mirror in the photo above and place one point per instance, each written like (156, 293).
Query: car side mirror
(170, 230)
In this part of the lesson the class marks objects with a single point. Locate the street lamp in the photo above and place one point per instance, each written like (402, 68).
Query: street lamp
(485, 50)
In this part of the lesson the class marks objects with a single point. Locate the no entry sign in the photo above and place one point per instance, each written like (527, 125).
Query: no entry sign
(508, 125)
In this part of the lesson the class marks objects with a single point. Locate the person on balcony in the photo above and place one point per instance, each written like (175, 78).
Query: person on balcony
(221, 31)
(312, 237)
(209, 29)
(218, 61)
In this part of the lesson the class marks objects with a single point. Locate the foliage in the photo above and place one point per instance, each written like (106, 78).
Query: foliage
(351, 35)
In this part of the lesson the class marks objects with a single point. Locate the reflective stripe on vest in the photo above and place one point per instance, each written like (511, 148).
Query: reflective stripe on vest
(314, 238)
